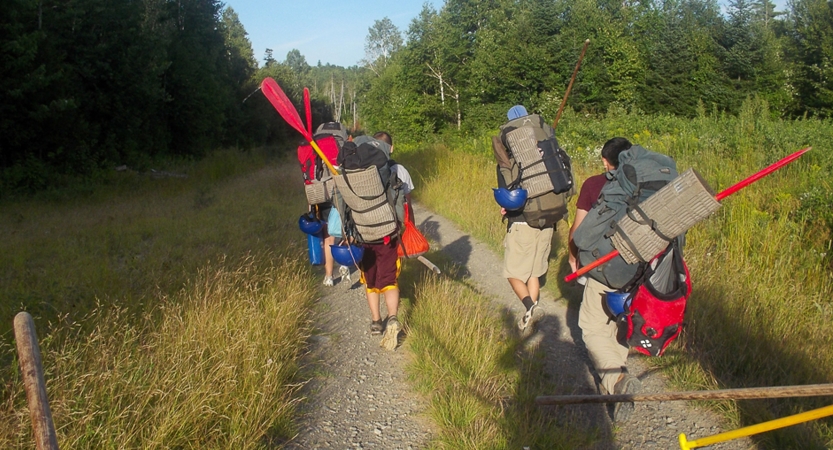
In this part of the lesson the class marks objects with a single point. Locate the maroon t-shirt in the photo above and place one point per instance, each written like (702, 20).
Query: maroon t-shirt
(590, 191)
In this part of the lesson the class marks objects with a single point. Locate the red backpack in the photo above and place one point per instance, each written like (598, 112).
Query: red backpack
(654, 317)
(312, 166)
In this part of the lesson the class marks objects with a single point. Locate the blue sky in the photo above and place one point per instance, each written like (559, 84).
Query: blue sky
(330, 31)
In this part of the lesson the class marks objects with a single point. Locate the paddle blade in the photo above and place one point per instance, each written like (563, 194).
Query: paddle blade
(308, 110)
(285, 108)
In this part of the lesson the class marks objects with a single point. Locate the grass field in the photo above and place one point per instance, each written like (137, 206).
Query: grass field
(171, 312)
(761, 307)
(144, 290)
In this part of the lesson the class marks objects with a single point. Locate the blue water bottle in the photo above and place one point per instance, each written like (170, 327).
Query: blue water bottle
(315, 248)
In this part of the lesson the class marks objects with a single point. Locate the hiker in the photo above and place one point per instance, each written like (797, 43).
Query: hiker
(324, 134)
(380, 266)
(534, 183)
(599, 332)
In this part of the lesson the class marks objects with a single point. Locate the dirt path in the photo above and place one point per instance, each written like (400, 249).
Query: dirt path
(360, 397)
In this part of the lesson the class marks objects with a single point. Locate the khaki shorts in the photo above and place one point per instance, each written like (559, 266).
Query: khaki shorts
(526, 251)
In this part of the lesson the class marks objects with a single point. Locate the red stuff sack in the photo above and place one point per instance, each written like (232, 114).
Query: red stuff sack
(655, 316)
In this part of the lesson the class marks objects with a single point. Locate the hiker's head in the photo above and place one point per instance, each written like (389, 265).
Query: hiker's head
(385, 137)
(611, 150)
(516, 112)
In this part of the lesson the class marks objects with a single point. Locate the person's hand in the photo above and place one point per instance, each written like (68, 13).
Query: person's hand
(502, 211)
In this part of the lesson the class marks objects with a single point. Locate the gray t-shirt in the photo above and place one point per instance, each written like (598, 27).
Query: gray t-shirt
(402, 173)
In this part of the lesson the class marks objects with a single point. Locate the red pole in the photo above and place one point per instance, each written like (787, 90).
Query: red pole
(720, 196)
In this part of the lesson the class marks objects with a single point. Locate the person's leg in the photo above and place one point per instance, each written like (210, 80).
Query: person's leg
(368, 277)
(328, 260)
(609, 357)
(388, 266)
(373, 303)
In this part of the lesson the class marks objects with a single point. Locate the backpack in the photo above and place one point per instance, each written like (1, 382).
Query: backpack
(318, 183)
(640, 174)
(654, 317)
(370, 199)
(529, 157)
(543, 166)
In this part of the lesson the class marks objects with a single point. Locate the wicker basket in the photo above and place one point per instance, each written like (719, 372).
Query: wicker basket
(364, 193)
(671, 211)
(319, 191)
(524, 147)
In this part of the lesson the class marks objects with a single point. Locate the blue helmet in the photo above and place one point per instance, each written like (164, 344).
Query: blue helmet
(347, 255)
(616, 302)
(309, 224)
(511, 200)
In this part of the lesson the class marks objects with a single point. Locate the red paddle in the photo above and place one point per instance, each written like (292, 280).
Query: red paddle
(720, 196)
(309, 111)
(287, 110)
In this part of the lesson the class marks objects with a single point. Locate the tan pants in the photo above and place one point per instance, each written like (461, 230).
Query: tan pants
(599, 334)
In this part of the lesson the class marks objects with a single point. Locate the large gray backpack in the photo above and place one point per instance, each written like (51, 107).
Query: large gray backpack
(640, 174)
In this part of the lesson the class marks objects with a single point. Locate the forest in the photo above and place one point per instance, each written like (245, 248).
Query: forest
(88, 85)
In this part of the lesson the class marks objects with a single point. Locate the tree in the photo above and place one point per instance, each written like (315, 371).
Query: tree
(383, 40)
(296, 61)
(810, 45)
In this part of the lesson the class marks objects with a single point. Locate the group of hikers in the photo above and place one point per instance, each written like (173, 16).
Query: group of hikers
(365, 211)
(535, 183)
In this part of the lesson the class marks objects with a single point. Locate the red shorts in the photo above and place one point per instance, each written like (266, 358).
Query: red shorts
(380, 266)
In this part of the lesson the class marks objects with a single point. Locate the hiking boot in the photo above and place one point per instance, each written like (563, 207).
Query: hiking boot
(328, 281)
(345, 274)
(376, 327)
(391, 338)
(629, 384)
(526, 319)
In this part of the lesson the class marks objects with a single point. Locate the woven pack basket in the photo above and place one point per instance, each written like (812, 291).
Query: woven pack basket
(647, 229)
(364, 193)
(319, 191)
(524, 147)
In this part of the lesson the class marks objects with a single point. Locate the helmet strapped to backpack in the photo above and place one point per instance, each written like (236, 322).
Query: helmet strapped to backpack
(511, 200)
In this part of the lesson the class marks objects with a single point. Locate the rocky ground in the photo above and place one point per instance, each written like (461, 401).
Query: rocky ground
(359, 397)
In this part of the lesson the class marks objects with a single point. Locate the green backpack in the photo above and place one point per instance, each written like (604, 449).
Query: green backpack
(640, 174)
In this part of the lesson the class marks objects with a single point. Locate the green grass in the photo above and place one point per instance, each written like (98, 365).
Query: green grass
(480, 380)
(762, 266)
(171, 312)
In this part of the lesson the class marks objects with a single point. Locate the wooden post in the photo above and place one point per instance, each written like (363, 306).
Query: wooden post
(33, 382)
(810, 390)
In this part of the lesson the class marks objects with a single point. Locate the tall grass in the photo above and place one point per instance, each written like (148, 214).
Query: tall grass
(761, 307)
(171, 312)
(480, 382)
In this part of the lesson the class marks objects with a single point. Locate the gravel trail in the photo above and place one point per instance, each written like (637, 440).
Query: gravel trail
(359, 397)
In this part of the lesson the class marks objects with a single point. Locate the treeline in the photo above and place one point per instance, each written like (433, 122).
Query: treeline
(92, 84)
(89, 84)
(464, 65)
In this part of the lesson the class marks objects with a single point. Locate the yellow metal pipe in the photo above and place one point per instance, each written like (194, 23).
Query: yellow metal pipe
(755, 429)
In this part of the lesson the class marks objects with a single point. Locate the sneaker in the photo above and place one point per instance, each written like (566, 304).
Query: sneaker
(376, 327)
(526, 319)
(345, 274)
(391, 338)
(328, 281)
(629, 384)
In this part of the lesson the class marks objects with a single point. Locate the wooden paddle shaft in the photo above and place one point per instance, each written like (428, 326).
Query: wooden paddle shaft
(33, 382)
(810, 390)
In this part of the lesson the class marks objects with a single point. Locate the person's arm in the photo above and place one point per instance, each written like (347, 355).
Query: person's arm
(573, 259)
